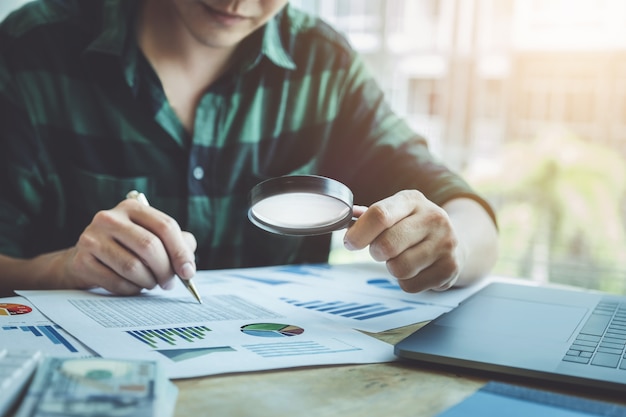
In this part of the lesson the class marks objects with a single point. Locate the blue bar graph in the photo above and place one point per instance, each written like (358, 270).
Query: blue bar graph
(49, 332)
(384, 283)
(304, 269)
(276, 350)
(351, 310)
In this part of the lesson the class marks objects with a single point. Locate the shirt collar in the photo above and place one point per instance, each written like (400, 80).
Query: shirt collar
(272, 45)
(115, 37)
(115, 23)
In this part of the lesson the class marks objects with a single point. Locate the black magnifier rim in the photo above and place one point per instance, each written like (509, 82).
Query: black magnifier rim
(313, 184)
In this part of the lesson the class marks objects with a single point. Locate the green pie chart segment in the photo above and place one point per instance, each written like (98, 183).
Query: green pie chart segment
(271, 330)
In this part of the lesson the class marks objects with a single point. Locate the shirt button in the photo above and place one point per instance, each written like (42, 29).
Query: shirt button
(198, 173)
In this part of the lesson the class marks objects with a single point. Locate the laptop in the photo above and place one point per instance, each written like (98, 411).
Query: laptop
(551, 334)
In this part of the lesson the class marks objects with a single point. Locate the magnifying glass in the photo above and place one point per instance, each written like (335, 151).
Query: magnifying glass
(300, 205)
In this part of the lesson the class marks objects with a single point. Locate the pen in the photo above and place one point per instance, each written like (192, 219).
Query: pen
(141, 197)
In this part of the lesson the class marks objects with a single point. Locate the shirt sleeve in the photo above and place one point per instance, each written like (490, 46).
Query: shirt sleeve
(385, 154)
(21, 173)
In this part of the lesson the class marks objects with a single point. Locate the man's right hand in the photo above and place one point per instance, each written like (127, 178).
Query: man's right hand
(129, 248)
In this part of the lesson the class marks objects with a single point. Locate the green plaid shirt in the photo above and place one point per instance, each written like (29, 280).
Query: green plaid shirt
(84, 119)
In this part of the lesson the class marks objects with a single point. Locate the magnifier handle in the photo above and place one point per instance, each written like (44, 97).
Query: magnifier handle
(357, 211)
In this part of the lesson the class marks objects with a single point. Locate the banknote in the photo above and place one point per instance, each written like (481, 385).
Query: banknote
(90, 387)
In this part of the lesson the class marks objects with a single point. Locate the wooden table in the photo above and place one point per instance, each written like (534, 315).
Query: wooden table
(391, 389)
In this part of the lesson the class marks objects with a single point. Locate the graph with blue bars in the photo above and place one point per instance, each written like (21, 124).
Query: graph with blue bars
(305, 347)
(170, 336)
(50, 332)
(357, 311)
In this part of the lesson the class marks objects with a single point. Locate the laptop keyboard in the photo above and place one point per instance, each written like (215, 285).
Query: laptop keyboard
(602, 339)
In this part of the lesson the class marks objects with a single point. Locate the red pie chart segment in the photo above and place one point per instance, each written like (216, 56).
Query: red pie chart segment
(10, 309)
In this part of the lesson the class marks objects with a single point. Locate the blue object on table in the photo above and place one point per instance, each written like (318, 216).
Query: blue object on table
(498, 399)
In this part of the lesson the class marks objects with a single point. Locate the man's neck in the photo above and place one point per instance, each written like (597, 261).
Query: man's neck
(185, 67)
(165, 40)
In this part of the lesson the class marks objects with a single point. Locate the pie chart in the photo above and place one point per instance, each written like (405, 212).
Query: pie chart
(10, 309)
(271, 330)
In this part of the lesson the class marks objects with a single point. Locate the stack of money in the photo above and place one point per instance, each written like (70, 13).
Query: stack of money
(99, 387)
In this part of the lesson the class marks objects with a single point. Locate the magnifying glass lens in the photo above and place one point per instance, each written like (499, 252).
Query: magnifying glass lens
(300, 210)
(300, 205)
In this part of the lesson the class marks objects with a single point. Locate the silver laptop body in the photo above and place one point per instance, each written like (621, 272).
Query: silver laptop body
(553, 334)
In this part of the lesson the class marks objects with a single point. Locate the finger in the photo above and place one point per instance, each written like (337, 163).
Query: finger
(405, 235)
(379, 217)
(438, 276)
(126, 264)
(143, 258)
(149, 249)
(192, 244)
(447, 285)
(85, 269)
(430, 264)
(104, 247)
(111, 281)
(430, 253)
(413, 260)
(191, 241)
(179, 253)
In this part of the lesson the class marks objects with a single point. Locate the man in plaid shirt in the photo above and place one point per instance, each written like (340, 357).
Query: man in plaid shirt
(193, 103)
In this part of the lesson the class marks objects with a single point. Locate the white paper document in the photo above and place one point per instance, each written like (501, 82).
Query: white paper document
(359, 311)
(362, 296)
(22, 326)
(234, 330)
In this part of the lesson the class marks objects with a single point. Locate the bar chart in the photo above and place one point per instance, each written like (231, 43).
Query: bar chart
(353, 310)
(384, 283)
(21, 336)
(169, 336)
(180, 355)
(306, 347)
